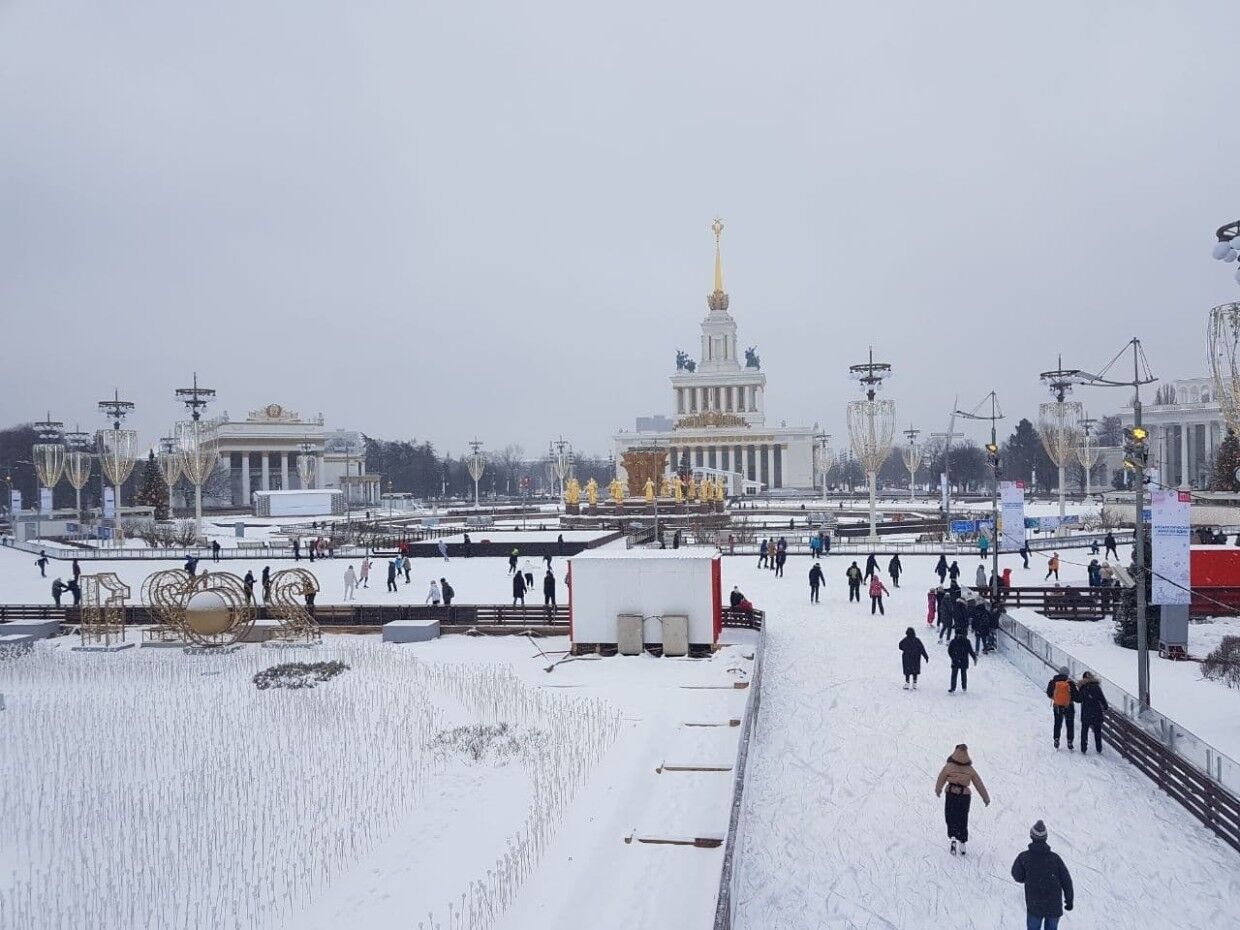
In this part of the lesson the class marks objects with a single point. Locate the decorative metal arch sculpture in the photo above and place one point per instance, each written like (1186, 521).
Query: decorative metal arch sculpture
(287, 603)
(207, 610)
(103, 608)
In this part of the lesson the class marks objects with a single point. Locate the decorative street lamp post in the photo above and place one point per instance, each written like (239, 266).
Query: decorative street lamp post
(1059, 424)
(77, 464)
(912, 457)
(992, 452)
(197, 443)
(477, 464)
(871, 427)
(49, 459)
(561, 455)
(1224, 347)
(305, 466)
(1088, 453)
(824, 460)
(1136, 458)
(116, 453)
(170, 465)
(1227, 249)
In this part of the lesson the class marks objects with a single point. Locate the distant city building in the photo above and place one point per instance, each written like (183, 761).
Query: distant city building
(261, 453)
(1185, 431)
(719, 417)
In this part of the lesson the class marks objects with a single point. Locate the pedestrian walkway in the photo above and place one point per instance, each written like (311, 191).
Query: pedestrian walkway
(844, 830)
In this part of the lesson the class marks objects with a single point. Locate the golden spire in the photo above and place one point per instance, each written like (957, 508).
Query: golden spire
(717, 227)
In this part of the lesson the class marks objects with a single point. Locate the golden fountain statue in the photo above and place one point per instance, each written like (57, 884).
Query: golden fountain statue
(616, 487)
(572, 492)
(592, 492)
(648, 491)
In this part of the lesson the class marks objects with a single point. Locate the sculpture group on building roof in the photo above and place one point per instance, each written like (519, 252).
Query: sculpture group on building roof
(751, 358)
(683, 362)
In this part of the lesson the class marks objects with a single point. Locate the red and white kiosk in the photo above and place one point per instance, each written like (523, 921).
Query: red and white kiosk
(667, 590)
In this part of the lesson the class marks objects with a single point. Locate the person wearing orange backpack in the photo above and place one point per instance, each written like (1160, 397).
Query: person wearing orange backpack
(1062, 691)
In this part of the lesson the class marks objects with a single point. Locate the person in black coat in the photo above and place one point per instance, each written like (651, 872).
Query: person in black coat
(58, 589)
(960, 618)
(548, 589)
(266, 579)
(953, 571)
(894, 569)
(940, 569)
(816, 581)
(961, 651)
(948, 606)
(913, 651)
(1109, 542)
(447, 591)
(871, 565)
(518, 589)
(468, 546)
(1024, 554)
(215, 550)
(853, 574)
(1093, 706)
(735, 598)
(76, 590)
(248, 586)
(1048, 884)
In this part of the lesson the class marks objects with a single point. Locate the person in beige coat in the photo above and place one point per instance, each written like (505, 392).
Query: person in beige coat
(958, 776)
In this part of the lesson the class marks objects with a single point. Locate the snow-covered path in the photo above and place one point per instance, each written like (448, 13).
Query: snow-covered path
(844, 830)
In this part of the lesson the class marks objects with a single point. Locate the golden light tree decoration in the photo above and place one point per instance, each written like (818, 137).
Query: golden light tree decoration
(77, 472)
(871, 427)
(49, 457)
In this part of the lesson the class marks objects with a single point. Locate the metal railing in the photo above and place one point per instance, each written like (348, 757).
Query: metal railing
(729, 878)
(1195, 773)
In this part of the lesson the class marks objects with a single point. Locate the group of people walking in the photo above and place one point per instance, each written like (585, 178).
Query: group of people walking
(773, 554)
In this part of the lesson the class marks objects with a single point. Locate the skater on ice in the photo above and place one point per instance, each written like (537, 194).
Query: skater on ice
(959, 777)
(894, 569)
(913, 651)
(816, 581)
(877, 590)
(960, 650)
(1048, 884)
(1062, 691)
(940, 569)
(854, 583)
(1093, 706)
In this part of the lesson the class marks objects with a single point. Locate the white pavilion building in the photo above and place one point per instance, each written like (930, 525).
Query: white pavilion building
(718, 412)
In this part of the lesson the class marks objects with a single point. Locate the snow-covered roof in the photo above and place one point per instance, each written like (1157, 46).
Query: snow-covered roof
(689, 555)
(295, 492)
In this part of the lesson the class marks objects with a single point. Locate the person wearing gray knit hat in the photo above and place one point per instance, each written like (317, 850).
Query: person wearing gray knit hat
(1048, 884)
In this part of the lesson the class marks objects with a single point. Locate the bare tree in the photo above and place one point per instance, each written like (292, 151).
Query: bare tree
(509, 461)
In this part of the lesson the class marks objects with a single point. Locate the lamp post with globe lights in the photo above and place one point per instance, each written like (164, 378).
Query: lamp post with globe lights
(116, 453)
(1136, 458)
(871, 427)
(305, 466)
(1227, 248)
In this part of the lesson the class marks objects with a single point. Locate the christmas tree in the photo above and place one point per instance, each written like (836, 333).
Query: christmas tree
(152, 490)
(1226, 461)
(1126, 611)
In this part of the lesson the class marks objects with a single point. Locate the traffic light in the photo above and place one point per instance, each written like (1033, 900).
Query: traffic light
(1136, 448)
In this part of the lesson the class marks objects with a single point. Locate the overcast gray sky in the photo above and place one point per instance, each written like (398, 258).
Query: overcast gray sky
(448, 219)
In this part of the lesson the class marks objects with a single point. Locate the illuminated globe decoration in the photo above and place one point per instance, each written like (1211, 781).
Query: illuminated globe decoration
(1227, 249)
(871, 427)
(1223, 340)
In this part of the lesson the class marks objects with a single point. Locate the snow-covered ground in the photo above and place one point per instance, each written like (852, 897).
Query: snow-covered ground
(844, 830)
(212, 803)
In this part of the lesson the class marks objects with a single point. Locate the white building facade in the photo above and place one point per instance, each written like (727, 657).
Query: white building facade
(261, 452)
(1184, 435)
(718, 411)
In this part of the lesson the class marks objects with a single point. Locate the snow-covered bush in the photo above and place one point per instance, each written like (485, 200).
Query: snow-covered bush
(1223, 663)
(298, 674)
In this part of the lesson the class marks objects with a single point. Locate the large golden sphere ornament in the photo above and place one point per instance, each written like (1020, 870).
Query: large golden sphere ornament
(208, 610)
